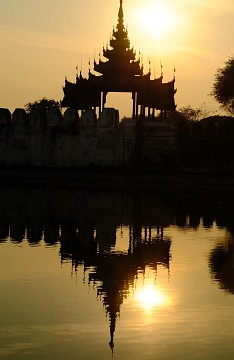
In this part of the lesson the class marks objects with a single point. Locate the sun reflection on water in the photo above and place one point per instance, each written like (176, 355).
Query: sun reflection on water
(150, 297)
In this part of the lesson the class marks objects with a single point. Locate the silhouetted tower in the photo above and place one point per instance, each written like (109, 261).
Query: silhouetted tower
(120, 71)
(122, 65)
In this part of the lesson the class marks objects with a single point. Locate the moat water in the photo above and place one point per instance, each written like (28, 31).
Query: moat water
(116, 275)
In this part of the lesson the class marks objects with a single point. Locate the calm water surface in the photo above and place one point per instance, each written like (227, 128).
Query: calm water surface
(114, 275)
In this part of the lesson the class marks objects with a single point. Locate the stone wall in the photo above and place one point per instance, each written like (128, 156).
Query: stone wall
(66, 140)
(151, 142)
(209, 142)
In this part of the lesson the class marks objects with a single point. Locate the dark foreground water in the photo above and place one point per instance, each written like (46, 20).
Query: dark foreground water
(129, 276)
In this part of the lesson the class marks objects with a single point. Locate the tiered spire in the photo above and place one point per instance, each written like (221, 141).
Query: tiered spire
(122, 63)
(120, 25)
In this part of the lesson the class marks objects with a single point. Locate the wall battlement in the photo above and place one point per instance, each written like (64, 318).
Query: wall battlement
(67, 140)
(108, 118)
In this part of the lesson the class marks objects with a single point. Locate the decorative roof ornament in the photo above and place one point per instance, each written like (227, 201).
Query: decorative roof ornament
(174, 72)
(161, 66)
(120, 25)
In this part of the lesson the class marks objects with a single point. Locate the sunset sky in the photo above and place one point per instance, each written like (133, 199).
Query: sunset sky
(43, 41)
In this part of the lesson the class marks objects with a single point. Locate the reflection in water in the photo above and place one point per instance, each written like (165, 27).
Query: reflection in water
(86, 225)
(222, 265)
(149, 297)
(114, 273)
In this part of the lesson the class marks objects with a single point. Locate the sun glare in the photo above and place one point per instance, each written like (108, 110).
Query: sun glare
(156, 19)
(149, 297)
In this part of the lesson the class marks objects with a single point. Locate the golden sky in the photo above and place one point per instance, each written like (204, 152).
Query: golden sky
(43, 41)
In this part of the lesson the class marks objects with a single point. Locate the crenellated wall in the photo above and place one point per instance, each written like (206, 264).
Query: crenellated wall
(66, 140)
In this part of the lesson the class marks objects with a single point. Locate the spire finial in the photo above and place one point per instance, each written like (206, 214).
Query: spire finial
(161, 69)
(121, 15)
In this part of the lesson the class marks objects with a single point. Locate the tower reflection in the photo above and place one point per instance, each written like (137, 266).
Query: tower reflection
(112, 273)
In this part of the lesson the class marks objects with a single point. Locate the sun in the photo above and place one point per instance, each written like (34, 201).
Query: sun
(156, 19)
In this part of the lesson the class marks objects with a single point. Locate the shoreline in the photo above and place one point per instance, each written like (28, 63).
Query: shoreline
(118, 179)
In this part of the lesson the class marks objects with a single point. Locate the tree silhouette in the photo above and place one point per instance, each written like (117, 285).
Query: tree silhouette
(194, 114)
(223, 87)
(42, 105)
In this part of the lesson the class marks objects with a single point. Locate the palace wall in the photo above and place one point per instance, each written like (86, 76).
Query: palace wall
(207, 143)
(67, 140)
